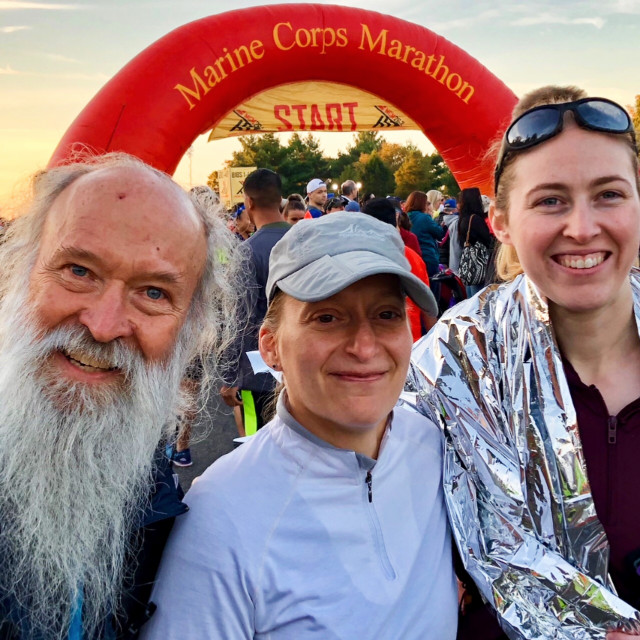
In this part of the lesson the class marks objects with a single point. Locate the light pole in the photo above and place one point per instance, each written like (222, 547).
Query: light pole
(190, 155)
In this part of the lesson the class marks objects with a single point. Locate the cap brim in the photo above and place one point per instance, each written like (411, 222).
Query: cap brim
(329, 275)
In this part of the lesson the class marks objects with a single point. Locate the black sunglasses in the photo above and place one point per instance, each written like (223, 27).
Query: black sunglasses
(546, 121)
(335, 203)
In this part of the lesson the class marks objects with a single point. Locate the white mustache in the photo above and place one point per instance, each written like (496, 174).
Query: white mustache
(77, 339)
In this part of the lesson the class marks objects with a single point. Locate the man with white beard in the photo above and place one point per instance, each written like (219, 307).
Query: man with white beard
(112, 282)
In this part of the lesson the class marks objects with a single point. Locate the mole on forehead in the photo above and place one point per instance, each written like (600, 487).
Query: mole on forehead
(127, 184)
(114, 185)
(121, 179)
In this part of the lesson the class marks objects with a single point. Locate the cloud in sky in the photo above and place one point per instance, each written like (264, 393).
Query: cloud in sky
(550, 18)
(575, 10)
(56, 57)
(463, 22)
(92, 77)
(13, 29)
(7, 5)
(532, 13)
(626, 6)
(581, 7)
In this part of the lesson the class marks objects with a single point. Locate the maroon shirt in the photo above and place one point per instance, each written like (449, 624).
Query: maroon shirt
(410, 240)
(611, 446)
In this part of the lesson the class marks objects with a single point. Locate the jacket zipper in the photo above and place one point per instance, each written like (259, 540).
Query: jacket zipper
(376, 531)
(612, 439)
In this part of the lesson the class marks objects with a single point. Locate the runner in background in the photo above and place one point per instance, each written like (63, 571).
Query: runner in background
(180, 455)
(349, 190)
(242, 223)
(419, 320)
(316, 196)
(294, 210)
(335, 204)
(436, 200)
(263, 194)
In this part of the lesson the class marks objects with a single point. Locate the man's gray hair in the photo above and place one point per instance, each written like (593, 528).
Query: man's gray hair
(348, 187)
(215, 314)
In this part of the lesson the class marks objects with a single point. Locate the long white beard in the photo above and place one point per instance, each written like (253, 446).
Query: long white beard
(75, 468)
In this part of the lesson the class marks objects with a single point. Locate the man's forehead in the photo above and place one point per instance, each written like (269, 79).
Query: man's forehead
(119, 189)
(131, 215)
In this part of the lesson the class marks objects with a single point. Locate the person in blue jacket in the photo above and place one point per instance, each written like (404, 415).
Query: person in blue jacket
(429, 232)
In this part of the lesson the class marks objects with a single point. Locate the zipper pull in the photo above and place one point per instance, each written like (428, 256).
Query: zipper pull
(369, 481)
(613, 430)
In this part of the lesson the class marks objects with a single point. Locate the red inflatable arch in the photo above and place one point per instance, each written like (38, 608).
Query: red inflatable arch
(186, 82)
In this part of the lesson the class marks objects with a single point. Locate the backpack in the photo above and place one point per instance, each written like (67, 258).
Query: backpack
(473, 261)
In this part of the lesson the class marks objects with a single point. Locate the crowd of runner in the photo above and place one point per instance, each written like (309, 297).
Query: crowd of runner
(438, 245)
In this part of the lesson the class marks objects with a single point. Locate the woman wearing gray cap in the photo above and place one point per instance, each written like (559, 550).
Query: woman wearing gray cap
(329, 523)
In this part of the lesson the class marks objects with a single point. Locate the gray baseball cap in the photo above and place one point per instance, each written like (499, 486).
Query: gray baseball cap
(318, 258)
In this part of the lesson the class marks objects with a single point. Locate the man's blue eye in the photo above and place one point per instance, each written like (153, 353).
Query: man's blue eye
(154, 294)
(77, 270)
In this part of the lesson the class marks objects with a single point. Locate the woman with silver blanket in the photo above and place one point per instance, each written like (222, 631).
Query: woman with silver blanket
(536, 381)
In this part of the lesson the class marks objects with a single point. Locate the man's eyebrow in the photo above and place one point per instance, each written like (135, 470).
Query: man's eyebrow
(76, 253)
(164, 277)
(84, 255)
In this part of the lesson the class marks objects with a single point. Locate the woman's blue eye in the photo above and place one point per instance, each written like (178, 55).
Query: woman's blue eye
(154, 294)
(79, 271)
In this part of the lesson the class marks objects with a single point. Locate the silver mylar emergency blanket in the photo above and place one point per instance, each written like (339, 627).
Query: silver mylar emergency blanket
(515, 476)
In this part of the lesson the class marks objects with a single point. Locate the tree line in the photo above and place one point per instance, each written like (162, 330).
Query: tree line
(383, 168)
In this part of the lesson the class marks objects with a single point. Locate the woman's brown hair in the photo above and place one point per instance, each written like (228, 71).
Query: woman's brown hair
(417, 201)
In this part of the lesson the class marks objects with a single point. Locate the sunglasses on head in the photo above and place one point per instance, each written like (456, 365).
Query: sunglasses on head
(335, 203)
(546, 121)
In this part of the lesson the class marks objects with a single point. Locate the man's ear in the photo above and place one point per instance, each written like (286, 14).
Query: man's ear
(268, 347)
(499, 224)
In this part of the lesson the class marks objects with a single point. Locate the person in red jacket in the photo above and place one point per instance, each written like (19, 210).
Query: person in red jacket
(382, 209)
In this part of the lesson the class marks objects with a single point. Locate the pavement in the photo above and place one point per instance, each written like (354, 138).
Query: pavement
(212, 437)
